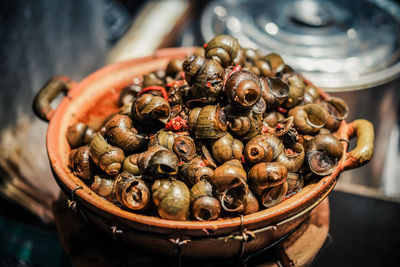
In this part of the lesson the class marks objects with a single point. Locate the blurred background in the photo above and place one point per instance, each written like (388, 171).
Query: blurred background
(350, 48)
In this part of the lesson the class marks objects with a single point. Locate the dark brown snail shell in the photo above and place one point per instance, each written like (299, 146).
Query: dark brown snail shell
(80, 163)
(311, 95)
(275, 62)
(296, 91)
(163, 138)
(121, 133)
(336, 111)
(250, 203)
(153, 78)
(108, 158)
(269, 65)
(223, 49)
(229, 175)
(194, 171)
(79, 134)
(272, 118)
(205, 206)
(292, 158)
(174, 67)
(283, 126)
(184, 147)
(207, 122)
(131, 192)
(251, 55)
(205, 76)
(265, 175)
(295, 182)
(178, 95)
(274, 195)
(262, 148)
(148, 110)
(172, 199)
(244, 126)
(130, 164)
(243, 89)
(323, 153)
(158, 162)
(226, 148)
(103, 185)
(308, 118)
(129, 93)
(274, 91)
(234, 199)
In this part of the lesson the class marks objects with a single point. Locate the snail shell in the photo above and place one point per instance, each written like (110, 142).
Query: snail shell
(121, 133)
(208, 122)
(323, 153)
(296, 91)
(158, 162)
(263, 148)
(292, 159)
(250, 203)
(194, 171)
(265, 175)
(244, 126)
(274, 91)
(103, 185)
(274, 195)
(205, 77)
(243, 89)
(336, 110)
(174, 67)
(229, 175)
(153, 78)
(223, 49)
(80, 163)
(205, 206)
(79, 134)
(226, 148)
(184, 147)
(163, 138)
(131, 192)
(108, 158)
(272, 118)
(130, 164)
(308, 118)
(148, 109)
(172, 199)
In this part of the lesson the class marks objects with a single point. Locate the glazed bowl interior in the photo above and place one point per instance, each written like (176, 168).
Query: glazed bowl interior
(95, 98)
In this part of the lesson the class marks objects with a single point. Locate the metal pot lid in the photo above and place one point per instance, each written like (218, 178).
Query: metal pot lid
(337, 44)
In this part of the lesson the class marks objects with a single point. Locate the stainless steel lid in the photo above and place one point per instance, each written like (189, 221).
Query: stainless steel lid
(337, 44)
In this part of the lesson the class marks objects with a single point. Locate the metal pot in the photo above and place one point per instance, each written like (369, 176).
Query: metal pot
(349, 48)
(95, 98)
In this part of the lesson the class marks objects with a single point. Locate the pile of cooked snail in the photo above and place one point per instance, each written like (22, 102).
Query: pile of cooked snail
(224, 132)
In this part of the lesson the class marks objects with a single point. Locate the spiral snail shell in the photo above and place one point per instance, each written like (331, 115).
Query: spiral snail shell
(172, 199)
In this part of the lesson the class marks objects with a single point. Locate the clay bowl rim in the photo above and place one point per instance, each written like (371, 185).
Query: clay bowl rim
(311, 194)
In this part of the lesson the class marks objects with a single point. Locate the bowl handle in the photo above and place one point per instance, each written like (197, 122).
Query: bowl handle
(42, 102)
(362, 153)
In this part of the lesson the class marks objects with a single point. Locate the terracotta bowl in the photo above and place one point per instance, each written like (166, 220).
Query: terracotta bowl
(95, 97)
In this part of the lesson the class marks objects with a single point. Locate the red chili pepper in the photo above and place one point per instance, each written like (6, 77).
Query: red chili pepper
(176, 124)
(202, 164)
(155, 88)
(281, 110)
(243, 160)
(205, 45)
(279, 126)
